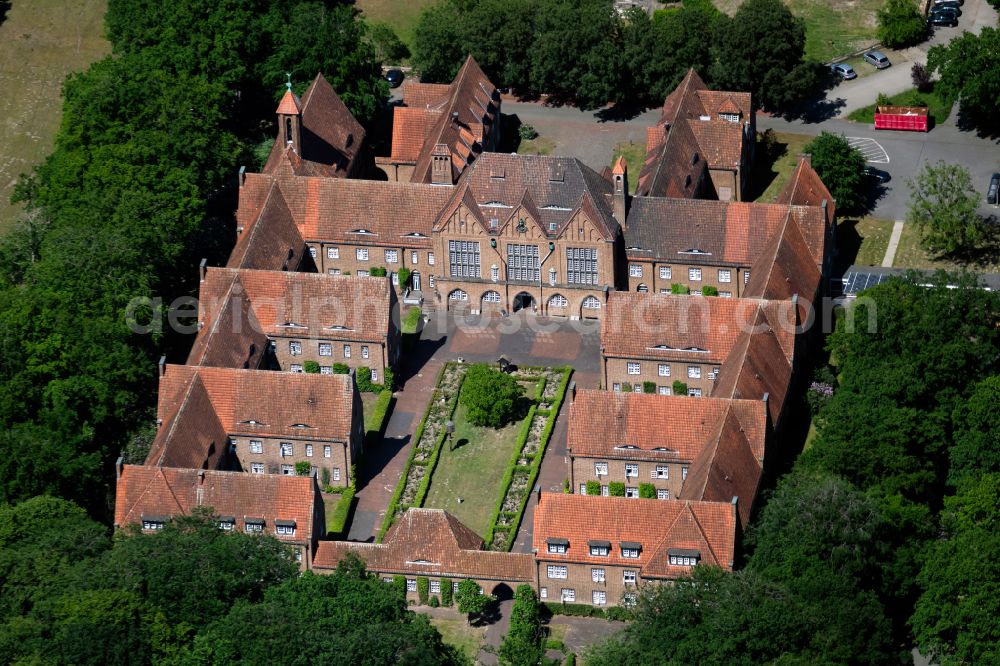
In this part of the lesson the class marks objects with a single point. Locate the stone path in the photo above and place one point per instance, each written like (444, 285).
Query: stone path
(890, 251)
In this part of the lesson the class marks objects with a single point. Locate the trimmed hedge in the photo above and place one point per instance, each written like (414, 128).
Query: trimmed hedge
(593, 487)
(340, 514)
(446, 591)
(616, 489)
(508, 475)
(616, 613)
(423, 585)
(649, 387)
(425, 483)
(679, 387)
(647, 491)
(375, 424)
(680, 289)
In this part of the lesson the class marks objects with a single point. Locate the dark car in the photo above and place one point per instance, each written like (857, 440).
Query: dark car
(947, 4)
(993, 193)
(938, 3)
(394, 77)
(877, 175)
(943, 17)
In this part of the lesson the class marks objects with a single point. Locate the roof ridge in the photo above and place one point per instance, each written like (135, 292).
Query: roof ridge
(701, 530)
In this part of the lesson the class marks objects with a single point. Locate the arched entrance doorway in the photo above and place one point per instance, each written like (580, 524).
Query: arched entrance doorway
(523, 301)
(503, 592)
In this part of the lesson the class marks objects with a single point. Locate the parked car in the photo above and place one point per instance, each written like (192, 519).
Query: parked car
(394, 77)
(844, 71)
(947, 4)
(877, 59)
(876, 175)
(938, 3)
(993, 193)
(945, 18)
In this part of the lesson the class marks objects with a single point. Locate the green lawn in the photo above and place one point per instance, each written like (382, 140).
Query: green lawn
(771, 170)
(472, 472)
(909, 254)
(402, 15)
(635, 156)
(863, 241)
(540, 145)
(461, 636)
(938, 106)
(41, 41)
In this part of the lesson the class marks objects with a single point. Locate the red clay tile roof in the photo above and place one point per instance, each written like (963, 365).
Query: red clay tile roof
(425, 95)
(430, 542)
(231, 336)
(410, 127)
(305, 305)
(721, 142)
(271, 241)
(658, 525)
(199, 406)
(290, 104)
(657, 326)
(602, 424)
(670, 168)
(805, 187)
(785, 268)
(167, 492)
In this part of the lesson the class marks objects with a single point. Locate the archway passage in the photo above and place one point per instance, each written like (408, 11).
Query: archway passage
(523, 301)
(503, 592)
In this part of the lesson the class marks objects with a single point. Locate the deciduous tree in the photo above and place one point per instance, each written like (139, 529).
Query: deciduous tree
(470, 599)
(522, 646)
(900, 24)
(943, 206)
(490, 397)
(970, 71)
(841, 168)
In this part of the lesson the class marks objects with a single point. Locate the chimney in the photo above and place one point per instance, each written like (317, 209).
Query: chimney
(619, 176)
(441, 165)
(202, 269)
(242, 175)
(454, 117)
(119, 467)
(162, 365)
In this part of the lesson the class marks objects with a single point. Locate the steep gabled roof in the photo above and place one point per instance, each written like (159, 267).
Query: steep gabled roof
(272, 241)
(410, 127)
(430, 542)
(231, 336)
(193, 437)
(168, 492)
(785, 268)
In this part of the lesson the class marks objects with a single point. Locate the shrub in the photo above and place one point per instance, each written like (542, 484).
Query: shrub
(302, 468)
(490, 396)
(341, 369)
(338, 521)
(446, 590)
(404, 276)
(388, 379)
(626, 387)
(566, 486)
(434, 602)
(921, 77)
(365, 383)
(619, 613)
(310, 367)
(679, 289)
(616, 489)
(900, 24)
(423, 585)
(709, 290)
(593, 487)
(378, 271)
(555, 644)
(882, 100)
(577, 610)
(325, 476)
(527, 132)
(571, 658)
(649, 387)
(840, 165)
(523, 642)
(399, 584)
(647, 491)
(680, 388)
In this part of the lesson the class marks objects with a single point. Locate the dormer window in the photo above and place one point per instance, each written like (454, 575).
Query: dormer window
(631, 549)
(362, 232)
(494, 223)
(154, 523)
(599, 548)
(730, 117)
(284, 527)
(227, 523)
(556, 545)
(253, 525)
(682, 557)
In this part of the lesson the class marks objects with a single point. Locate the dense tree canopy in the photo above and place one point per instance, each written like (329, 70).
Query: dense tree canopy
(491, 397)
(900, 23)
(522, 646)
(943, 206)
(969, 70)
(841, 168)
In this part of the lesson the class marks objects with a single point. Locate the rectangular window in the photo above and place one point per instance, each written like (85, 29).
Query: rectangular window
(430, 260)
(684, 473)
(325, 349)
(523, 262)
(725, 275)
(295, 367)
(694, 372)
(288, 470)
(637, 388)
(391, 257)
(597, 575)
(663, 390)
(312, 252)
(682, 561)
(600, 597)
(557, 571)
(631, 492)
(333, 253)
(463, 258)
(336, 474)
(568, 595)
(256, 446)
(583, 488)
(601, 469)
(374, 375)
(364, 351)
(662, 494)
(226, 525)
(543, 593)
(631, 553)
(153, 525)
(435, 584)
(362, 273)
(411, 584)
(599, 551)
(252, 528)
(256, 468)
(661, 472)
(694, 274)
(559, 548)
(605, 492)
(634, 368)
(309, 450)
(663, 370)
(347, 351)
(635, 270)
(287, 449)
(616, 387)
(333, 271)
(631, 469)
(629, 577)
(295, 348)
(327, 451)
(454, 587)
(746, 276)
(694, 392)
(581, 265)
(725, 294)
(285, 530)
(665, 273)
(414, 257)
(362, 254)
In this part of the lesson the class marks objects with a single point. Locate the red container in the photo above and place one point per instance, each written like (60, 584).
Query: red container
(908, 118)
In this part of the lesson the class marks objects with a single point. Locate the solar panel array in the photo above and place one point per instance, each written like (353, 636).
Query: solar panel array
(855, 282)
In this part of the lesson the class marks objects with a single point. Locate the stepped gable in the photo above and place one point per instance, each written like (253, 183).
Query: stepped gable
(330, 136)
(430, 542)
(166, 492)
(272, 241)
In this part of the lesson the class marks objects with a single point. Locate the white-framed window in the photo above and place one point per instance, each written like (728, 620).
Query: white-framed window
(552, 277)
(256, 468)
(325, 349)
(662, 494)
(557, 571)
(694, 392)
(327, 450)
(663, 370)
(601, 468)
(362, 273)
(637, 388)
(600, 597)
(435, 585)
(333, 271)
(543, 593)
(663, 390)
(631, 553)
(347, 351)
(312, 252)
(684, 473)
(632, 492)
(661, 472)
(599, 551)
(414, 257)
(227, 525)
(411, 584)
(256, 446)
(605, 492)
(583, 488)
(558, 301)
(288, 470)
(336, 473)
(665, 273)
(395, 278)
(491, 297)
(629, 577)
(333, 253)
(694, 372)
(458, 295)
(494, 273)
(284, 530)
(386, 579)
(635, 270)
(731, 117)
(430, 259)
(631, 469)
(682, 560)
(725, 275)
(152, 525)
(568, 595)
(454, 587)
(364, 351)
(597, 575)
(523, 262)
(391, 257)
(558, 548)
(362, 254)
(374, 375)
(694, 274)
(746, 276)
(634, 368)
(643, 288)
(725, 294)
(616, 387)
(463, 258)
(309, 450)
(295, 348)
(591, 303)
(581, 265)
(287, 449)
(295, 367)
(253, 528)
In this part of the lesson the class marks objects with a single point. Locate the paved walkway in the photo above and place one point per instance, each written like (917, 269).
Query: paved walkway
(890, 251)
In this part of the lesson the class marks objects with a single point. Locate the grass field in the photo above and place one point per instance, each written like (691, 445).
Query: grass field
(472, 472)
(863, 241)
(461, 636)
(402, 16)
(771, 172)
(540, 145)
(909, 254)
(635, 155)
(938, 106)
(41, 42)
